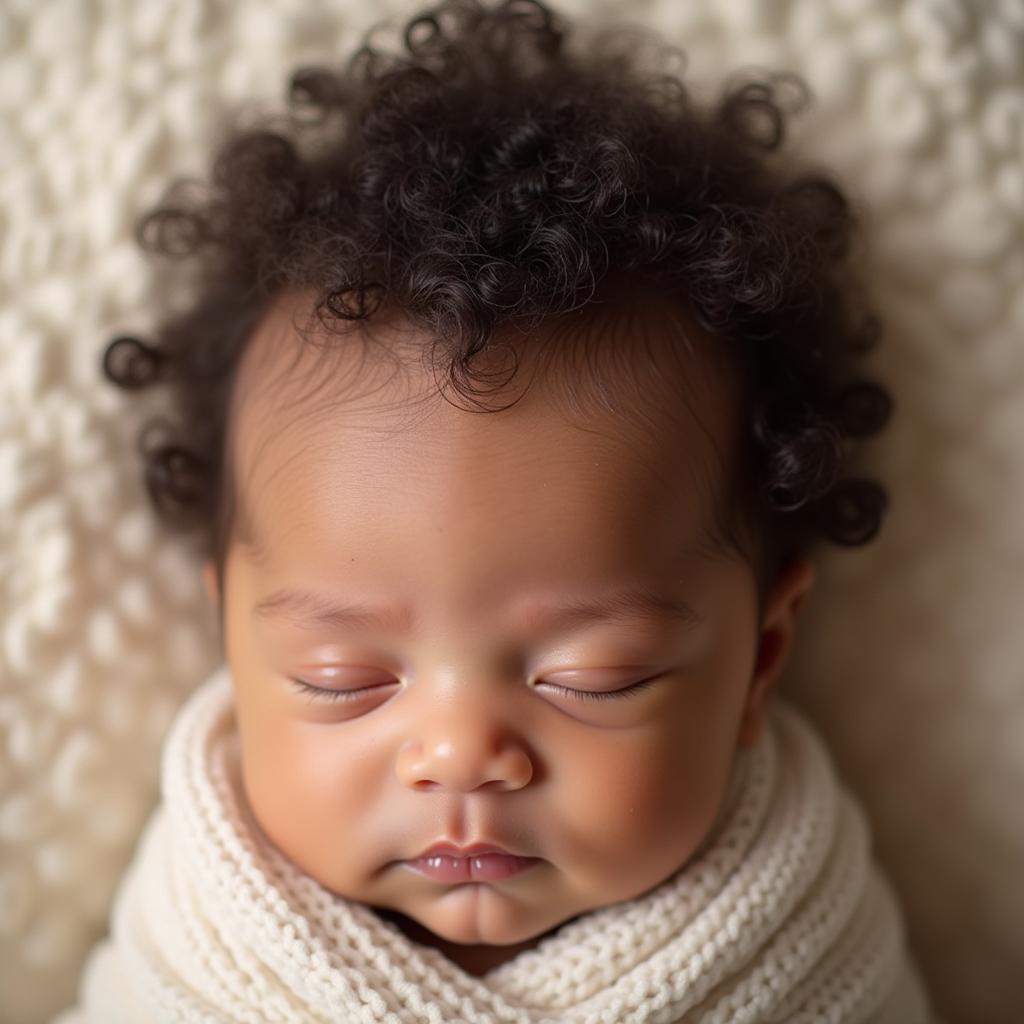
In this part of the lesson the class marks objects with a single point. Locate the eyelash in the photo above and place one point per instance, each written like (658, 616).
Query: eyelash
(322, 693)
(587, 695)
(333, 696)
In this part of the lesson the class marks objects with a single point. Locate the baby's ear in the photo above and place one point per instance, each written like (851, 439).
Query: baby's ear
(210, 582)
(778, 628)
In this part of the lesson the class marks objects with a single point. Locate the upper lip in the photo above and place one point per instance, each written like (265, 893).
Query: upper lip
(447, 849)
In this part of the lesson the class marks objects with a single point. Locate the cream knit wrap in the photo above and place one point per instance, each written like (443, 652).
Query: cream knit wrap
(781, 915)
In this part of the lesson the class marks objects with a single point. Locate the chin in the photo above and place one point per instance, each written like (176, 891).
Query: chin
(460, 940)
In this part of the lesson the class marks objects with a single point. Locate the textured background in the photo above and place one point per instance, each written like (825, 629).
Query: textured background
(911, 653)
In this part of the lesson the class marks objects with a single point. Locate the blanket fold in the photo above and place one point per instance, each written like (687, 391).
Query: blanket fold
(780, 915)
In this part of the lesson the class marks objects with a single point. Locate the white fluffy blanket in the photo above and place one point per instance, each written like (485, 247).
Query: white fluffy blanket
(103, 625)
(781, 915)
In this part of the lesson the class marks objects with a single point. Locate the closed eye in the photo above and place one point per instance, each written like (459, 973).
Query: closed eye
(587, 695)
(329, 693)
(335, 695)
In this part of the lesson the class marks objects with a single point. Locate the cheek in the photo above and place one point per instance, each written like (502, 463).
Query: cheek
(304, 786)
(653, 798)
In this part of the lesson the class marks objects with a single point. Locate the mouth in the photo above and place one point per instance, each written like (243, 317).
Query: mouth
(479, 867)
(445, 861)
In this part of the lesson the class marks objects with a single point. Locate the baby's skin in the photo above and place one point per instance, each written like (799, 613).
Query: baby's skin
(490, 575)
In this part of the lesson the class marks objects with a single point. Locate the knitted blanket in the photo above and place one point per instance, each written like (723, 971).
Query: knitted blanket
(781, 915)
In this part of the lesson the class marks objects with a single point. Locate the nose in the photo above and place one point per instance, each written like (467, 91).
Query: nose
(462, 753)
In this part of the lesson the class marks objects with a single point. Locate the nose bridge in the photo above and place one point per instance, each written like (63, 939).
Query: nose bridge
(461, 738)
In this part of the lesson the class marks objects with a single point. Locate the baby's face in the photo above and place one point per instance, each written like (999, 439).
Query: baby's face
(419, 561)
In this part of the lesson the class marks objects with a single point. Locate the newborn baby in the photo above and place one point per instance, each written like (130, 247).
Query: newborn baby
(515, 394)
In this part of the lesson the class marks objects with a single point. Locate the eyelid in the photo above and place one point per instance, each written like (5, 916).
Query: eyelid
(625, 691)
(614, 674)
(347, 674)
(631, 689)
(331, 693)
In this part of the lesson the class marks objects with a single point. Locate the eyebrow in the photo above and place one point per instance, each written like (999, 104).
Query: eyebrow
(310, 610)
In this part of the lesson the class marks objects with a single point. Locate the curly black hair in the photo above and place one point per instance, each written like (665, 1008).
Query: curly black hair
(491, 175)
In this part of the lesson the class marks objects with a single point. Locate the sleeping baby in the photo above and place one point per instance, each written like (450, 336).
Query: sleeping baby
(515, 391)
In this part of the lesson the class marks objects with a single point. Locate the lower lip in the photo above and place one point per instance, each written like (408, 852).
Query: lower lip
(484, 867)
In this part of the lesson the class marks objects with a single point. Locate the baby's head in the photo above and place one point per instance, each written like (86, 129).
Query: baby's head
(515, 393)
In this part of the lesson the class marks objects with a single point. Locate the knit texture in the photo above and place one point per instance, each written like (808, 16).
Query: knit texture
(780, 915)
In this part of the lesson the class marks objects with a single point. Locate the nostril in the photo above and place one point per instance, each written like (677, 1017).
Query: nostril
(499, 784)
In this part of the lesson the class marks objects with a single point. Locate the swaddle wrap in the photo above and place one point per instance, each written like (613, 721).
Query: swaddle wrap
(780, 915)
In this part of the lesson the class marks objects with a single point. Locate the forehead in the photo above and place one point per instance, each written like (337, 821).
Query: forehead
(622, 407)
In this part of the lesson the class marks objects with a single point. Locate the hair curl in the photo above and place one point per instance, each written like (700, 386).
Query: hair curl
(488, 176)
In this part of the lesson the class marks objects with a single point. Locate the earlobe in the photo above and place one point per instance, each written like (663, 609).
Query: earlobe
(777, 630)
